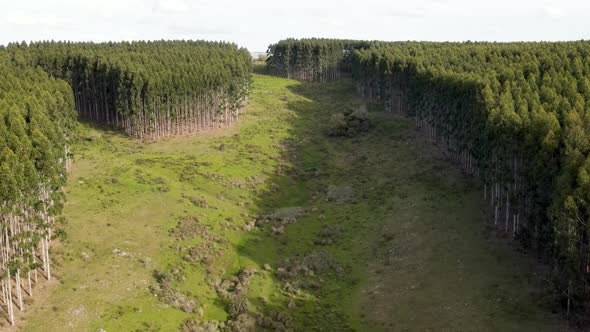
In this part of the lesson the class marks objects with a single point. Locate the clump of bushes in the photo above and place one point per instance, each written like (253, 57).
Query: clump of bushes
(192, 325)
(166, 292)
(237, 306)
(275, 321)
(317, 262)
(349, 123)
(328, 235)
(196, 201)
(234, 287)
(189, 227)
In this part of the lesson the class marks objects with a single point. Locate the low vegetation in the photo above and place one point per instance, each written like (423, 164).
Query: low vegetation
(349, 123)
(275, 225)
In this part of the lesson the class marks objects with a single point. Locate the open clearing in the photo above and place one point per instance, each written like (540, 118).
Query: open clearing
(372, 233)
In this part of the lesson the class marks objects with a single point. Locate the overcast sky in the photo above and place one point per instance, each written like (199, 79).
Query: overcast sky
(257, 23)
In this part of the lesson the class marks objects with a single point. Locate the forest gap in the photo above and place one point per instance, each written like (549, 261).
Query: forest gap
(295, 224)
(341, 185)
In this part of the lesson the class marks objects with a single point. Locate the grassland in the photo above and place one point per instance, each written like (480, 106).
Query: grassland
(372, 233)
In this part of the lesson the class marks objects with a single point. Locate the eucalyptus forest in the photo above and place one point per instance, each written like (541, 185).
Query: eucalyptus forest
(338, 185)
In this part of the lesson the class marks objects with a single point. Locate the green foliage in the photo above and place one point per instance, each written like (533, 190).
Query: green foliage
(151, 89)
(349, 123)
(37, 121)
(514, 112)
(312, 59)
(401, 187)
(148, 88)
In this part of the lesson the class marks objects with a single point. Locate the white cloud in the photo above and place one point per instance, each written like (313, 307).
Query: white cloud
(20, 19)
(172, 5)
(257, 23)
(552, 11)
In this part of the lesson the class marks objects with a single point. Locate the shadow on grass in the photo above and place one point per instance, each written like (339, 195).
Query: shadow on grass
(407, 201)
(302, 235)
(101, 126)
(259, 68)
(341, 209)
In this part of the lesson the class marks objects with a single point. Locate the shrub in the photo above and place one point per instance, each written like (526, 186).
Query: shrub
(349, 123)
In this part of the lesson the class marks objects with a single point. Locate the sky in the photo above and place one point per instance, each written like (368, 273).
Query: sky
(257, 23)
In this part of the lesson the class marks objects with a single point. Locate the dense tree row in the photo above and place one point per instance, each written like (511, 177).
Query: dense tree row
(515, 115)
(312, 59)
(150, 89)
(37, 119)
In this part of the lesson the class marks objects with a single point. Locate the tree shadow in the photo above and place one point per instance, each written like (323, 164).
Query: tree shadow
(259, 68)
(102, 127)
(321, 259)
(314, 237)
(293, 214)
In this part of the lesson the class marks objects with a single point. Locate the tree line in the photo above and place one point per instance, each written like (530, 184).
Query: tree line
(149, 89)
(37, 121)
(314, 59)
(515, 115)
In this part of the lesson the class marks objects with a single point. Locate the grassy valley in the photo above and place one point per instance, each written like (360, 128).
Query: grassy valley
(273, 224)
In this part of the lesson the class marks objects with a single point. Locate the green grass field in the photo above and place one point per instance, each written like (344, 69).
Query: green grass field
(372, 233)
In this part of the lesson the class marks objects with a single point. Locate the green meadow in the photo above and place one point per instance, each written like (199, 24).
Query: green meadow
(273, 224)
